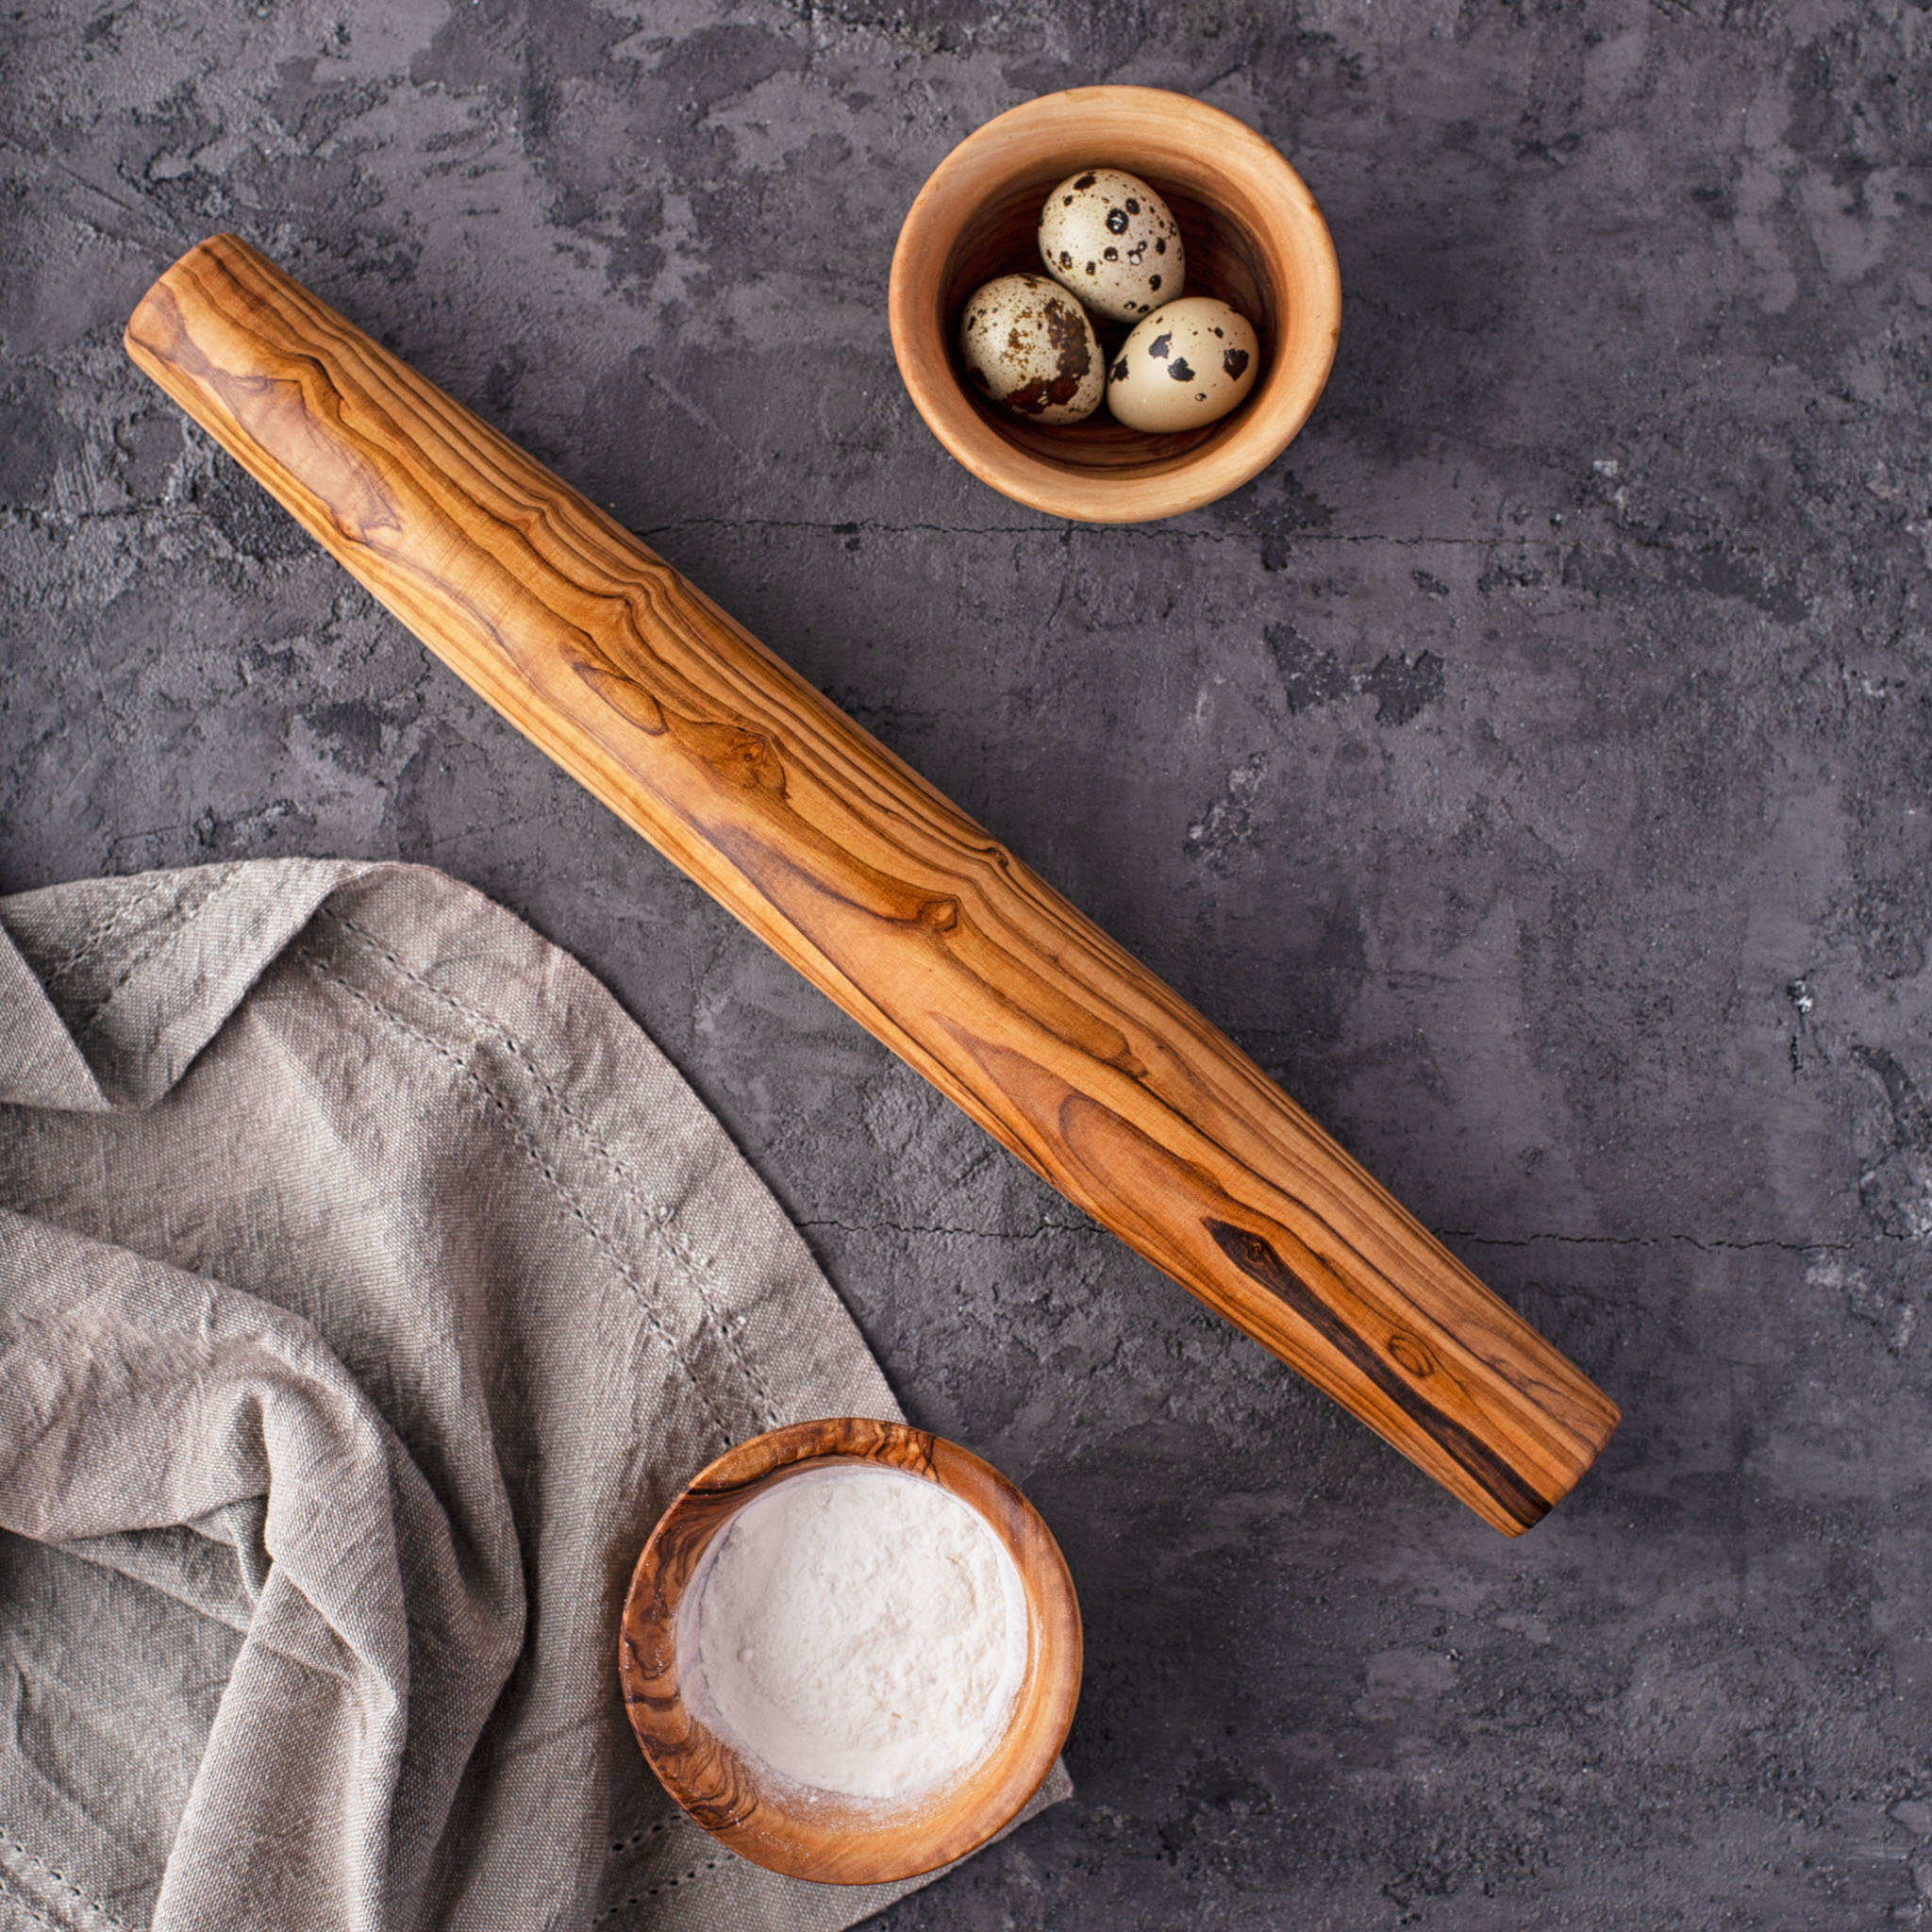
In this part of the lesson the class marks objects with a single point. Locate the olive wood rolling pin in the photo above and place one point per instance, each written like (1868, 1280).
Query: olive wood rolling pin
(918, 923)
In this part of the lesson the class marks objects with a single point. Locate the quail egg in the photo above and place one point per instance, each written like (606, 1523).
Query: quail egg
(1109, 238)
(1029, 346)
(1188, 363)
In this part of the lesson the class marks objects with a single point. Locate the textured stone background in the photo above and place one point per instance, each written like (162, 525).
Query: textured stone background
(1531, 769)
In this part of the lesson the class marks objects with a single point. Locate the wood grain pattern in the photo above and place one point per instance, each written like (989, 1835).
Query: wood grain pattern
(1254, 236)
(912, 918)
(833, 1843)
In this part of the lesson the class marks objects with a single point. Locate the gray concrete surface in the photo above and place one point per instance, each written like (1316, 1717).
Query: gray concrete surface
(1530, 768)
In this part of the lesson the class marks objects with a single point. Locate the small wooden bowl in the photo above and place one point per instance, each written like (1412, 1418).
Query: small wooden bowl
(833, 1841)
(1254, 236)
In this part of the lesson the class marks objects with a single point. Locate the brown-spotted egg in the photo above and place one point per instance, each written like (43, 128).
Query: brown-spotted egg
(1029, 346)
(1109, 238)
(1188, 363)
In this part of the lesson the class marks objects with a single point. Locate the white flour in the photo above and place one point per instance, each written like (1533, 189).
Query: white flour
(857, 1630)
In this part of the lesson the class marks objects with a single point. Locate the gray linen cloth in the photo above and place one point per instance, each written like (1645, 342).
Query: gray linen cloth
(369, 1283)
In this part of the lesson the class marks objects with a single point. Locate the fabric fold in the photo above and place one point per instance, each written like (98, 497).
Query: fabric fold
(134, 978)
(158, 1399)
(368, 1285)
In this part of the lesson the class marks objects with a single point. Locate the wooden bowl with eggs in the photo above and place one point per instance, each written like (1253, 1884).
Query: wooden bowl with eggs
(1253, 237)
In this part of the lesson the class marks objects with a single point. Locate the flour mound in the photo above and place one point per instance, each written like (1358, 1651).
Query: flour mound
(857, 1631)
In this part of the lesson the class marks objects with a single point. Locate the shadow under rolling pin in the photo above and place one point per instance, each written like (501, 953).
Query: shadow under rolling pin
(915, 920)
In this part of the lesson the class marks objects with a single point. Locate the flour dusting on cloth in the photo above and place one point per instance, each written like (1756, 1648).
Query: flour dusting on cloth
(369, 1284)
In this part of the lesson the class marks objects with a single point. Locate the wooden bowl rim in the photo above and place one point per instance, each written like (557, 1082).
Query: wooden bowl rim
(1260, 429)
(839, 1846)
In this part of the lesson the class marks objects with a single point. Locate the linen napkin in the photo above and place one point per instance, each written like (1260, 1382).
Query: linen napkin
(369, 1283)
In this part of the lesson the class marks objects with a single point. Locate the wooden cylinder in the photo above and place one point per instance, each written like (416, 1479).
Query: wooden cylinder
(916, 922)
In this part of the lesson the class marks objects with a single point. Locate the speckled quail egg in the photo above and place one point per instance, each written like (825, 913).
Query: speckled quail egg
(1109, 238)
(1188, 363)
(1029, 346)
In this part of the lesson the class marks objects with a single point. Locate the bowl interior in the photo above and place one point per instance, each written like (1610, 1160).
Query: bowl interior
(1254, 236)
(818, 1834)
(999, 237)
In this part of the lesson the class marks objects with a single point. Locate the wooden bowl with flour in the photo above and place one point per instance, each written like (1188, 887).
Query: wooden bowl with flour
(778, 1821)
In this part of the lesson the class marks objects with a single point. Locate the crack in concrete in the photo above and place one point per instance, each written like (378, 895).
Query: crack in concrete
(1456, 1234)
(982, 1234)
(36, 518)
(1115, 531)
(1661, 1240)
